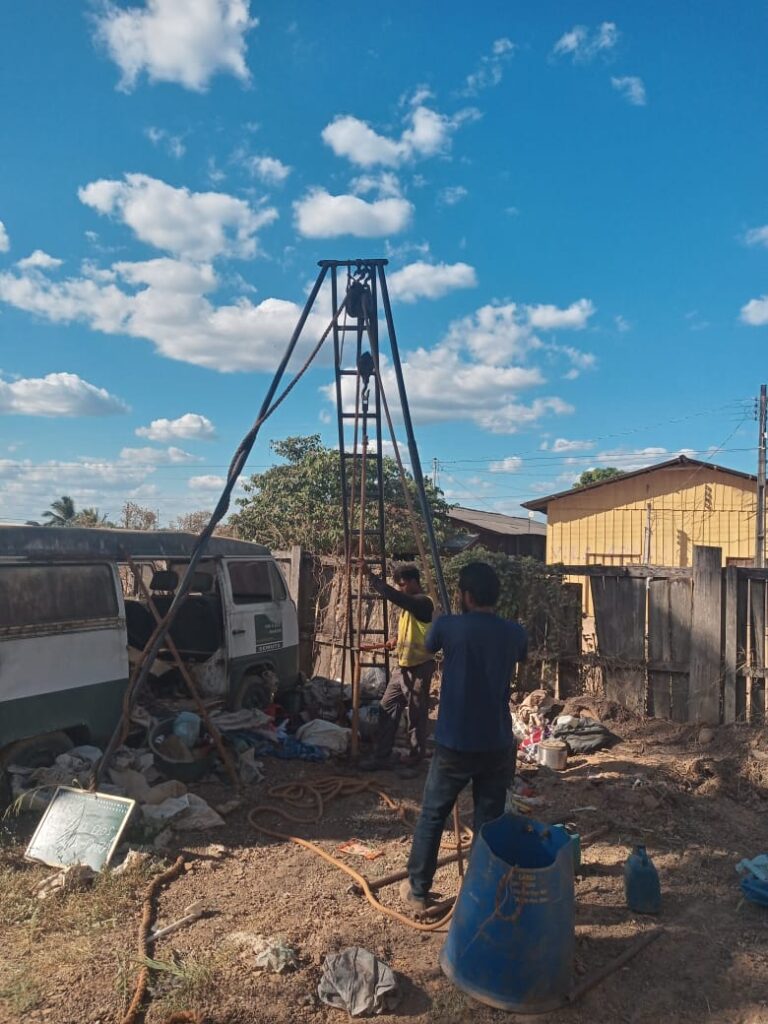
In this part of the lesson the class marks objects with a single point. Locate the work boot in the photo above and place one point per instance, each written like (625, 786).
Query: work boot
(409, 897)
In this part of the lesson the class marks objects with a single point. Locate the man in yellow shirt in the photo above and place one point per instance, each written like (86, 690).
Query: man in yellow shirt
(408, 687)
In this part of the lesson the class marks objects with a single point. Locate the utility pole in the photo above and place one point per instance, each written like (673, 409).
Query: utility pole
(435, 468)
(760, 517)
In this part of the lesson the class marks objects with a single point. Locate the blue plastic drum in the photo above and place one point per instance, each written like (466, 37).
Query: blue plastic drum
(511, 940)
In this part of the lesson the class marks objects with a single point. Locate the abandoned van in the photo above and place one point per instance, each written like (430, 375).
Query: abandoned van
(76, 610)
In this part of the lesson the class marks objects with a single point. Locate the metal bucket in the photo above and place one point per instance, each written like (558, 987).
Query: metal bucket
(553, 754)
(511, 940)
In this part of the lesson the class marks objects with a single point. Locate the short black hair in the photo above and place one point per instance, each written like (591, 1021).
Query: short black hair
(409, 571)
(480, 580)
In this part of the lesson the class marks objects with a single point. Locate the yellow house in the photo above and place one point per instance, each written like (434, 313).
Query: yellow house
(653, 516)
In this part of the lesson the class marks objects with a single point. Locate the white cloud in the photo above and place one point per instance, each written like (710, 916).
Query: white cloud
(206, 482)
(5, 242)
(195, 225)
(183, 41)
(268, 169)
(189, 427)
(583, 46)
(563, 445)
(157, 456)
(622, 324)
(475, 374)
(39, 259)
(428, 133)
(631, 88)
(172, 143)
(57, 394)
(512, 464)
(492, 334)
(322, 215)
(755, 236)
(430, 280)
(551, 318)
(755, 313)
(385, 185)
(165, 302)
(452, 195)
(490, 70)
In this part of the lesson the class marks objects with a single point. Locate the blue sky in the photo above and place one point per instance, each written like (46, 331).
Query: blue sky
(572, 197)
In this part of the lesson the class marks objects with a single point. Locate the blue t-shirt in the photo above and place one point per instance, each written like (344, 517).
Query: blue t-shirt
(480, 652)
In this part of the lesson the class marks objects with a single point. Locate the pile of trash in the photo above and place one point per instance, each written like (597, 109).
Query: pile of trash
(538, 718)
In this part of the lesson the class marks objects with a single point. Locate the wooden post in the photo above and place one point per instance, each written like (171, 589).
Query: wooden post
(704, 690)
(730, 642)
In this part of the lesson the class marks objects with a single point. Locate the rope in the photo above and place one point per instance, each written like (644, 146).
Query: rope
(304, 797)
(145, 928)
(239, 459)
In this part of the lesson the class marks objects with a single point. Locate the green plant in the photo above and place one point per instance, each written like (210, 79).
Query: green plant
(300, 501)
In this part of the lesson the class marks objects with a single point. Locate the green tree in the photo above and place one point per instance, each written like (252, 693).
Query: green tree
(61, 513)
(300, 501)
(598, 475)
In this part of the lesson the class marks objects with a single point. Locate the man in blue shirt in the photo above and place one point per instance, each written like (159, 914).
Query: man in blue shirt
(474, 741)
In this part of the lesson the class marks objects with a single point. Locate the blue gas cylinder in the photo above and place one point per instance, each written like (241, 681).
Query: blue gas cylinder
(641, 883)
(511, 941)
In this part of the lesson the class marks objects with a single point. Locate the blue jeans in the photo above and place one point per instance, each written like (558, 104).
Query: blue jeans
(490, 773)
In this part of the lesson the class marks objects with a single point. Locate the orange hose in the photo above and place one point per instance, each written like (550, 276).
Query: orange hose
(298, 795)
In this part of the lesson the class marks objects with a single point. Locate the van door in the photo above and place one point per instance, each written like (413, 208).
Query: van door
(254, 609)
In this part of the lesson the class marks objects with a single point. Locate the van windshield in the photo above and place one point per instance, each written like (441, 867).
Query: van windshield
(41, 595)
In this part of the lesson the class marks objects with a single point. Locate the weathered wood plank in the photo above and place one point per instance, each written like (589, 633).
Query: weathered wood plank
(680, 604)
(730, 641)
(704, 688)
(662, 572)
(620, 626)
(741, 646)
(659, 649)
(568, 675)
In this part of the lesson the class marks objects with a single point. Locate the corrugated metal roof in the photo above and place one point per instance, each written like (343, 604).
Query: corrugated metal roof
(72, 542)
(540, 504)
(496, 522)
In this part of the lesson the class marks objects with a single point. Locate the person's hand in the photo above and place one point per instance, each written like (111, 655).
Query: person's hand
(390, 645)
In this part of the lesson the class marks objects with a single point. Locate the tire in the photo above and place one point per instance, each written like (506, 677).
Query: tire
(253, 692)
(34, 752)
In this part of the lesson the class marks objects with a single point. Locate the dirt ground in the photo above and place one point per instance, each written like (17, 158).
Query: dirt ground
(698, 808)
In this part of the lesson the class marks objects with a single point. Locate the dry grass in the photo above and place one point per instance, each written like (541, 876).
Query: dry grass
(181, 983)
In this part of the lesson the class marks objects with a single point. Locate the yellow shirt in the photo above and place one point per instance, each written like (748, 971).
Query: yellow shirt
(411, 634)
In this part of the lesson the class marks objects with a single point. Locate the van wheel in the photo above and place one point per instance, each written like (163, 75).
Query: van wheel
(253, 692)
(35, 752)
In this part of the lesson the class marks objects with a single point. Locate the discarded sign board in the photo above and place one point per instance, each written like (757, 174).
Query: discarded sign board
(80, 828)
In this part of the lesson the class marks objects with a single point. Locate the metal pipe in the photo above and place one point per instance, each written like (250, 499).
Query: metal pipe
(236, 466)
(413, 450)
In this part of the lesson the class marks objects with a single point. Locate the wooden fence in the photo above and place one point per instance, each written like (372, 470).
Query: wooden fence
(679, 643)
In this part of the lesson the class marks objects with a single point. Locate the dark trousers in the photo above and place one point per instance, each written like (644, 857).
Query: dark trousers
(490, 773)
(407, 690)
